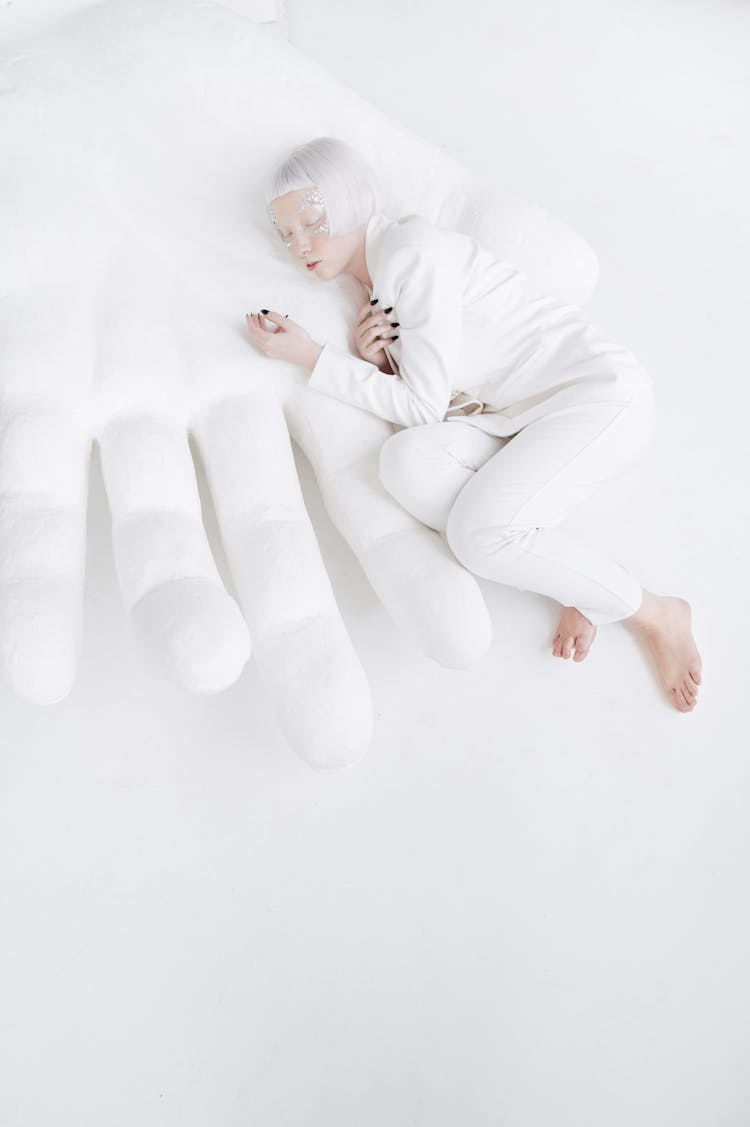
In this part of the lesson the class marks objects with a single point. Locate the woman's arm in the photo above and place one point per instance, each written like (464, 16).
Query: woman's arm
(426, 292)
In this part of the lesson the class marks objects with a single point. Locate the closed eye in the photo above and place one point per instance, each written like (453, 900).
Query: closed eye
(307, 226)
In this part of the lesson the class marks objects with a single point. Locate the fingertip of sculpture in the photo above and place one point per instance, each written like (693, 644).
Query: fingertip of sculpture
(40, 637)
(319, 689)
(193, 632)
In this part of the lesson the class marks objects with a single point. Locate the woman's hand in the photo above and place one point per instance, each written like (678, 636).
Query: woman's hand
(288, 341)
(370, 326)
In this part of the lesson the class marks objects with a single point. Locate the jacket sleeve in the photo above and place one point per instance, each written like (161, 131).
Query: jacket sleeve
(427, 302)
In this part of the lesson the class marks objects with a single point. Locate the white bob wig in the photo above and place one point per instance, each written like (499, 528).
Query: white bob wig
(347, 182)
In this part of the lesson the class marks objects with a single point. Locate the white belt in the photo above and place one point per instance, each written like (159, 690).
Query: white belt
(460, 403)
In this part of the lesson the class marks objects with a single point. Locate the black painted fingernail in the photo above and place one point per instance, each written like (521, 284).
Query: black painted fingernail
(395, 338)
(390, 307)
(374, 301)
(395, 324)
(264, 311)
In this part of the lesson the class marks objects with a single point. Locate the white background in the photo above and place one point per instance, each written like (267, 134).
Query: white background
(528, 906)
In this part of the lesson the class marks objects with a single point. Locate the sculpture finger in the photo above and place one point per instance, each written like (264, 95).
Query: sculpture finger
(44, 458)
(426, 591)
(186, 623)
(303, 651)
(45, 447)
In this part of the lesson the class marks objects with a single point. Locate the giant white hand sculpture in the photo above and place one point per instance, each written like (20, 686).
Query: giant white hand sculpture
(135, 149)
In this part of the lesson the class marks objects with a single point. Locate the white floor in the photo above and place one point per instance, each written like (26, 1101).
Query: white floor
(528, 907)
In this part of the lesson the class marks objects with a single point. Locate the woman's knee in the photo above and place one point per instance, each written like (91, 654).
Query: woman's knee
(471, 538)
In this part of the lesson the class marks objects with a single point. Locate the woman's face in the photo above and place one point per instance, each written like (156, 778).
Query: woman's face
(302, 225)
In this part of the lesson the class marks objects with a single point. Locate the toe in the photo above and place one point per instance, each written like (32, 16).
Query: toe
(689, 689)
(581, 653)
(682, 703)
(696, 675)
(568, 646)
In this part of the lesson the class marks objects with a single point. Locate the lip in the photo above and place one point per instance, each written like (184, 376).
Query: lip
(312, 265)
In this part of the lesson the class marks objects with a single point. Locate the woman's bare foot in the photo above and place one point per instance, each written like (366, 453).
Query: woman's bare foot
(664, 623)
(574, 632)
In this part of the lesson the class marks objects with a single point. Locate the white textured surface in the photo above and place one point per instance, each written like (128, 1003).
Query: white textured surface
(528, 905)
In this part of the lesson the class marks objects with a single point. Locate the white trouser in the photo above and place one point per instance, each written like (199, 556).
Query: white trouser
(497, 500)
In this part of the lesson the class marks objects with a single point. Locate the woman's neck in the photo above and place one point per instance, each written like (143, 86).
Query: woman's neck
(357, 264)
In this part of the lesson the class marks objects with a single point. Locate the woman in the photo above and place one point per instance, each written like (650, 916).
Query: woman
(548, 405)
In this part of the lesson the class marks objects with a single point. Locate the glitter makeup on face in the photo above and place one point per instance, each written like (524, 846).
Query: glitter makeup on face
(310, 199)
(313, 197)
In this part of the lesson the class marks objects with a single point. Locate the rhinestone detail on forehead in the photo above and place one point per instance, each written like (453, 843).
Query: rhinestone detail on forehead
(312, 197)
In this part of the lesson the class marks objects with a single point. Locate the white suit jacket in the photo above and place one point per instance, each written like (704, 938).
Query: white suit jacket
(476, 342)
